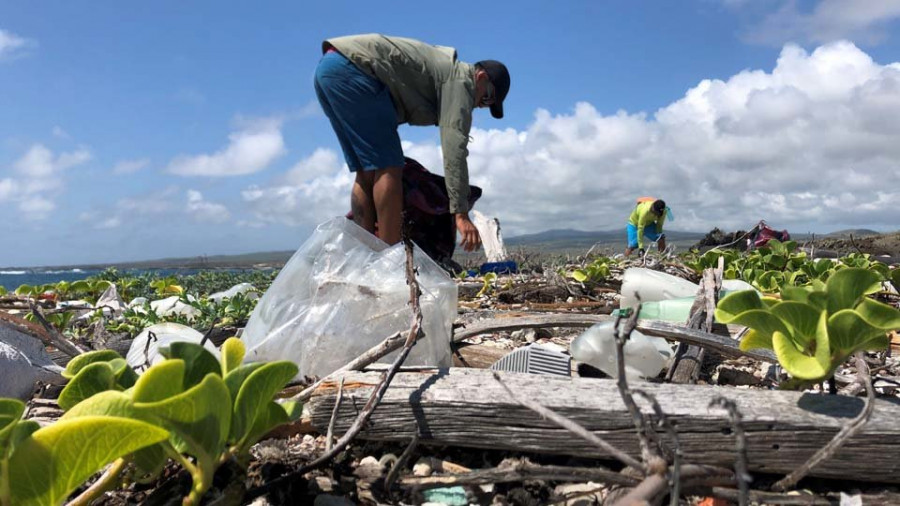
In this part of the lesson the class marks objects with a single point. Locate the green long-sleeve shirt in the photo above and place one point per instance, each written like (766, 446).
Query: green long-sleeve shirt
(643, 216)
(429, 86)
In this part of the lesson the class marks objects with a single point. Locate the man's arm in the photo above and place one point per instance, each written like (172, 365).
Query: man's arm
(455, 123)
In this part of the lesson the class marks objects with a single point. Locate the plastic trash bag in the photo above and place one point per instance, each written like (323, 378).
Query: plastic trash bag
(343, 292)
(23, 362)
(163, 334)
(645, 356)
(242, 288)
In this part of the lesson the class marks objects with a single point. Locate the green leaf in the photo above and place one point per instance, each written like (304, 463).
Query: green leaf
(258, 390)
(165, 379)
(270, 416)
(846, 286)
(85, 359)
(10, 412)
(200, 417)
(802, 318)
(579, 275)
(849, 331)
(20, 431)
(57, 459)
(110, 403)
(753, 340)
(799, 364)
(232, 354)
(149, 462)
(92, 379)
(236, 377)
(198, 361)
(795, 294)
(735, 303)
(879, 314)
(293, 409)
(762, 321)
(125, 375)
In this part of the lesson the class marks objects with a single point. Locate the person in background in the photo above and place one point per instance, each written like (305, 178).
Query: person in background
(646, 221)
(369, 84)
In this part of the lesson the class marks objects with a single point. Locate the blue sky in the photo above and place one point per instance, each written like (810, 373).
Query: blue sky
(163, 129)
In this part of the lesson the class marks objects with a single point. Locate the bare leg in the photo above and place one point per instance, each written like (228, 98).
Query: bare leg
(362, 204)
(628, 251)
(387, 191)
(661, 244)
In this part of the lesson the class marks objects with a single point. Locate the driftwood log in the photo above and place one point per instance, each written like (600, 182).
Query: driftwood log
(468, 408)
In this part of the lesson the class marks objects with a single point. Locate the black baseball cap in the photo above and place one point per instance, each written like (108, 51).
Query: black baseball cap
(499, 77)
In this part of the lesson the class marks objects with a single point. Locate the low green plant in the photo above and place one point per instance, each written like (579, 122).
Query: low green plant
(3, 290)
(488, 285)
(167, 286)
(596, 271)
(814, 329)
(43, 466)
(207, 412)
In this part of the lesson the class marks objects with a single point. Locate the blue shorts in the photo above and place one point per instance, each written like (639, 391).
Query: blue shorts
(361, 112)
(649, 233)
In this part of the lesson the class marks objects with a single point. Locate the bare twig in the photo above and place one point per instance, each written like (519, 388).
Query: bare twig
(394, 473)
(210, 331)
(653, 463)
(372, 355)
(520, 471)
(56, 339)
(571, 426)
(740, 466)
(842, 436)
(329, 437)
(414, 333)
(675, 470)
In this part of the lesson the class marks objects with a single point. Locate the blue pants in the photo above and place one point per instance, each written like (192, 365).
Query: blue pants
(361, 113)
(649, 233)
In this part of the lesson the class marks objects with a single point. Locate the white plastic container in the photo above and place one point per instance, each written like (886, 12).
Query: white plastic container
(653, 286)
(164, 334)
(645, 356)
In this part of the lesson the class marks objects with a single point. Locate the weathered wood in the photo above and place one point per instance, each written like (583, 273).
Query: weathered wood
(467, 407)
(478, 356)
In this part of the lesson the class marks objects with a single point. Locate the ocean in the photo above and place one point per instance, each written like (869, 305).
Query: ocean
(12, 279)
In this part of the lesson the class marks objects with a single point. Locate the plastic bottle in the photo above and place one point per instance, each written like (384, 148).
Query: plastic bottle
(672, 310)
(644, 356)
(653, 286)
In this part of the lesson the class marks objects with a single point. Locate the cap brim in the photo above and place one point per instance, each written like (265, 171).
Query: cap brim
(497, 110)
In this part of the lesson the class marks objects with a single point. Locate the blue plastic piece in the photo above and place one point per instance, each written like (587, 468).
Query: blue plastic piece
(506, 267)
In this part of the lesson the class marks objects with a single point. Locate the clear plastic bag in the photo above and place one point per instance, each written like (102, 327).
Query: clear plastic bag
(343, 292)
(161, 335)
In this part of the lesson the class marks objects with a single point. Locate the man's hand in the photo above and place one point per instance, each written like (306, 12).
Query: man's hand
(469, 237)
(641, 252)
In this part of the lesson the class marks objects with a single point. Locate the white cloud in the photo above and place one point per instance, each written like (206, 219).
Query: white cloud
(60, 133)
(36, 208)
(250, 149)
(109, 223)
(316, 189)
(810, 145)
(205, 211)
(8, 189)
(13, 46)
(828, 20)
(39, 162)
(130, 166)
(40, 179)
(322, 162)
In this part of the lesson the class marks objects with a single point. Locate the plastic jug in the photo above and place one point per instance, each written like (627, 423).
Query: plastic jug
(653, 286)
(644, 356)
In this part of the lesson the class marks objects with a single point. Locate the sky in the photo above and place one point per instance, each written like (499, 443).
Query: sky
(133, 131)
